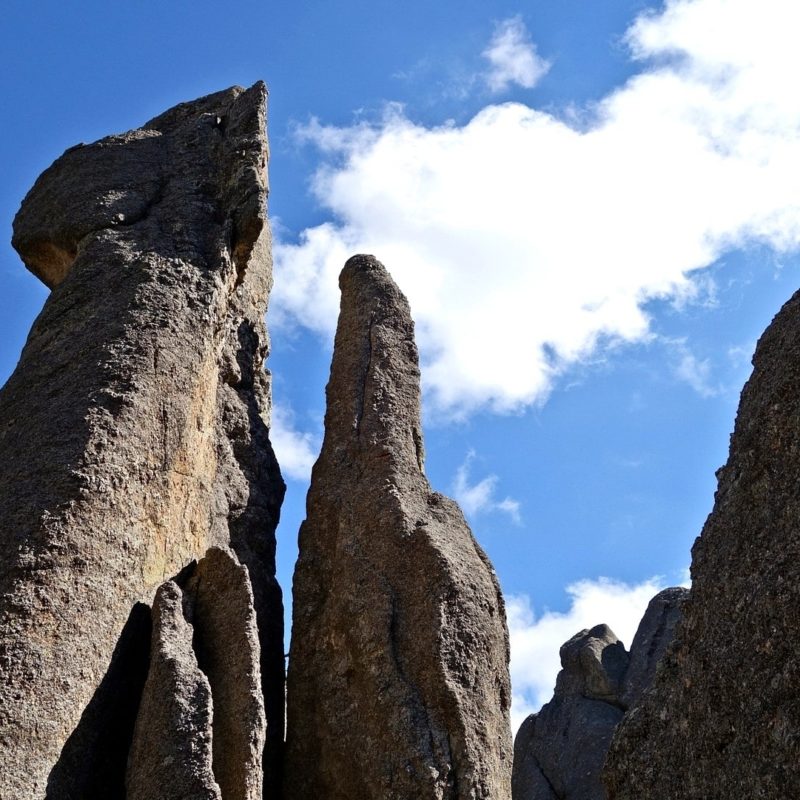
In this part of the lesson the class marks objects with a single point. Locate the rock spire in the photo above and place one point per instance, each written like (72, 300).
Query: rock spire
(723, 715)
(398, 680)
(134, 434)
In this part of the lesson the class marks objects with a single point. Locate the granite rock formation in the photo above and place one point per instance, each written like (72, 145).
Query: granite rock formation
(398, 680)
(559, 752)
(200, 729)
(723, 715)
(134, 434)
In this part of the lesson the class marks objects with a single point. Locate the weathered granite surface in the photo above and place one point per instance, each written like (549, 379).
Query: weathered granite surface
(398, 680)
(201, 727)
(171, 751)
(560, 751)
(134, 431)
(722, 718)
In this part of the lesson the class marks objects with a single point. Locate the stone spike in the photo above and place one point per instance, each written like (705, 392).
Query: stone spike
(134, 431)
(398, 680)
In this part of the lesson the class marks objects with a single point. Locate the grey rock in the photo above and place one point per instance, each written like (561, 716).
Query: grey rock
(171, 755)
(528, 782)
(201, 726)
(228, 652)
(654, 634)
(722, 717)
(559, 752)
(398, 680)
(134, 431)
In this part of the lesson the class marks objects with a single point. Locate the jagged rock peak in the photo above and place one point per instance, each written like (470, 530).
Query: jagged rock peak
(398, 680)
(723, 715)
(134, 431)
(559, 752)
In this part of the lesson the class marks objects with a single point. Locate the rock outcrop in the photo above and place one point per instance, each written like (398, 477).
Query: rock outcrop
(398, 680)
(559, 752)
(134, 434)
(200, 729)
(723, 715)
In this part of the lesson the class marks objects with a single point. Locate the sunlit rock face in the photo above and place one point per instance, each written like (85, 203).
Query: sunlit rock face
(134, 433)
(398, 681)
(723, 715)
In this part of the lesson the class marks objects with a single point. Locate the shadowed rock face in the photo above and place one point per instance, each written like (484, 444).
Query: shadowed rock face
(398, 674)
(722, 718)
(134, 431)
(559, 752)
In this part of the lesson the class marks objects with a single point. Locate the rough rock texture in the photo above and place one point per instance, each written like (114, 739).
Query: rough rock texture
(559, 752)
(201, 726)
(398, 680)
(171, 751)
(134, 431)
(655, 633)
(723, 716)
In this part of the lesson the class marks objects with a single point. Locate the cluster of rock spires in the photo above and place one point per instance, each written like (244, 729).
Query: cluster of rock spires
(141, 633)
(141, 625)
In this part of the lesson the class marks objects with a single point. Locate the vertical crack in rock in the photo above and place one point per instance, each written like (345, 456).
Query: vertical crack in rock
(398, 674)
(559, 752)
(723, 715)
(134, 433)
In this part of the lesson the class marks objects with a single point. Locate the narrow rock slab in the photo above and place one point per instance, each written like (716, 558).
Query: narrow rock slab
(171, 754)
(134, 431)
(201, 727)
(398, 680)
(226, 643)
(723, 715)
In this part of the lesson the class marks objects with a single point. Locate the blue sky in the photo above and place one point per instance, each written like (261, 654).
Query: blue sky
(592, 207)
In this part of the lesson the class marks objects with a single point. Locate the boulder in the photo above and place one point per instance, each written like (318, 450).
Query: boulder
(560, 751)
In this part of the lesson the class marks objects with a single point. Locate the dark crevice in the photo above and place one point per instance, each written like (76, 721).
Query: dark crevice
(93, 761)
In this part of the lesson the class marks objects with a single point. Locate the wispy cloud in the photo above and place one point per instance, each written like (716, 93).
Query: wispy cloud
(536, 638)
(696, 372)
(479, 498)
(512, 57)
(295, 450)
(526, 241)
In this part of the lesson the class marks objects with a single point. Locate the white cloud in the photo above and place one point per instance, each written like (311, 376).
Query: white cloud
(536, 639)
(525, 241)
(512, 57)
(477, 498)
(295, 450)
(692, 370)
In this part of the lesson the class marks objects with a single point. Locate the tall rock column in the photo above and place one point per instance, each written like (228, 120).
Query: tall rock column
(722, 718)
(398, 680)
(134, 431)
